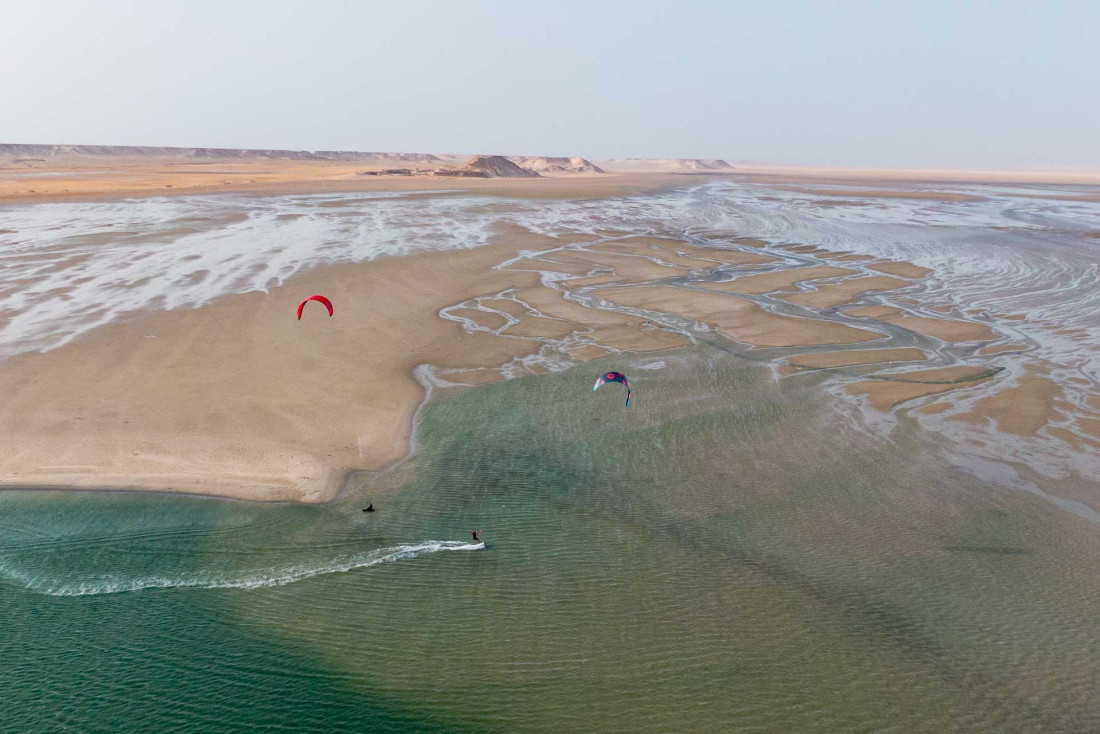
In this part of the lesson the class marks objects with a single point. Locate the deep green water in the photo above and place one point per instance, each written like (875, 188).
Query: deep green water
(729, 554)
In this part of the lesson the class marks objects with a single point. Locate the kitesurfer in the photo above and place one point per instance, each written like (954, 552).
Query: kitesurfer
(474, 534)
(369, 508)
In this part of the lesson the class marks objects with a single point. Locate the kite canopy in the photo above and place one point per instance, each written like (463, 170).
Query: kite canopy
(618, 377)
(320, 299)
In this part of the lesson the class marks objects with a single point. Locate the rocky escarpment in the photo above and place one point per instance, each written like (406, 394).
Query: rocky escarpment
(488, 166)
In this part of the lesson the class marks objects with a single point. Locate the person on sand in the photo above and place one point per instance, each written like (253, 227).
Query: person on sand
(474, 533)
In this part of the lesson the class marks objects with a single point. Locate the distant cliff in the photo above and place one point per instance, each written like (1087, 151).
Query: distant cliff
(488, 166)
(14, 150)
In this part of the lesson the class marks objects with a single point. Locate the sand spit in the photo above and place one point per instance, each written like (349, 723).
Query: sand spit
(240, 399)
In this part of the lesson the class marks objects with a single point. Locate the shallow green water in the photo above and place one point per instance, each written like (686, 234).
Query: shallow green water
(728, 554)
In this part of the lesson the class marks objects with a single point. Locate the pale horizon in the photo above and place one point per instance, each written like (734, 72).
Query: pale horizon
(987, 86)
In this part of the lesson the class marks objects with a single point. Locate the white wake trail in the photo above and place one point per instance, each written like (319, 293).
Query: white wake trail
(254, 579)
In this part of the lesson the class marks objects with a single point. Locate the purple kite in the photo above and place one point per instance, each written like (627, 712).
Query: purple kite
(614, 377)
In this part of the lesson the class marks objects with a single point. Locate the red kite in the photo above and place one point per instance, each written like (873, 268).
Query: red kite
(326, 302)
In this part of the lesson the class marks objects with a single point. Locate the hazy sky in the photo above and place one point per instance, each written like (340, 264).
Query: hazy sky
(990, 84)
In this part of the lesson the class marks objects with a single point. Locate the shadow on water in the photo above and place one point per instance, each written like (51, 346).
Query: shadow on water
(174, 661)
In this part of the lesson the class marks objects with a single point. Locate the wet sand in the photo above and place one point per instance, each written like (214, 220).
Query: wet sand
(853, 357)
(784, 279)
(889, 390)
(949, 330)
(1022, 409)
(237, 398)
(240, 399)
(837, 294)
(905, 270)
(737, 318)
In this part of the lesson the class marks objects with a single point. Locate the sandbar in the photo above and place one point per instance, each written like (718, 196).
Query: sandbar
(837, 294)
(905, 270)
(779, 279)
(891, 390)
(855, 356)
(736, 317)
(1020, 409)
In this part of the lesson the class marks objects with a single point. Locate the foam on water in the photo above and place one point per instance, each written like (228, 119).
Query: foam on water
(72, 267)
(1007, 251)
(256, 579)
(68, 268)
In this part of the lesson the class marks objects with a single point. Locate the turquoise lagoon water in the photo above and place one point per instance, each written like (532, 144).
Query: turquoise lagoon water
(729, 554)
